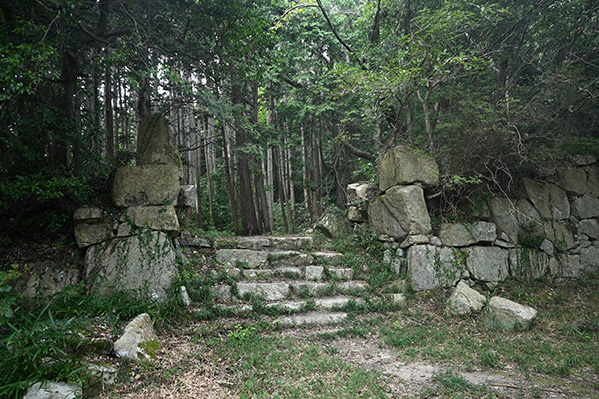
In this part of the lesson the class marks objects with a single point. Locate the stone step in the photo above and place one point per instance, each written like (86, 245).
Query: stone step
(294, 243)
(311, 273)
(321, 304)
(274, 291)
(317, 318)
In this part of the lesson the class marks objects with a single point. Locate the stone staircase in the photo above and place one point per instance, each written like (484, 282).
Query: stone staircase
(286, 276)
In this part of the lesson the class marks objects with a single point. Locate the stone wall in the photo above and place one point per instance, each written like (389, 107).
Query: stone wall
(551, 229)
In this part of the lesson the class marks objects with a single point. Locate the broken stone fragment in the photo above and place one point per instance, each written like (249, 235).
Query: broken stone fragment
(139, 342)
(87, 214)
(464, 300)
(502, 313)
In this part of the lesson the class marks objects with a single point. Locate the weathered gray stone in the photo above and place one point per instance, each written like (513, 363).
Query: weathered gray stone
(314, 272)
(242, 258)
(560, 235)
(401, 211)
(184, 296)
(53, 390)
(336, 302)
(488, 263)
(103, 376)
(328, 257)
(504, 314)
(593, 181)
(222, 292)
(270, 291)
(589, 258)
(146, 185)
(483, 232)
(187, 240)
(589, 227)
(528, 264)
(355, 214)
(584, 160)
(90, 234)
(547, 247)
(145, 261)
(258, 274)
(358, 193)
(436, 241)
(342, 273)
(318, 318)
(289, 259)
(526, 213)
(414, 240)
(567, 265)
(403, 165)
(550, 200)
(87, 214)
(155, 144)
(585, 207)
(397, 299)
(464, 300)
(289, 272)
(139, 342)
(572, 180)
(455, 235)
(161, 218)
(48, 277)
(334, 224)
(431, 267)
(503, 215)
(188, 196)
(256, 243)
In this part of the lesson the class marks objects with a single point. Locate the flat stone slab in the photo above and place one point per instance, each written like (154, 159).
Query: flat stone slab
(242, 258)
(328, 257)
(318, 318)
(342, 273)
(270, 291)
(353, 286)
(504, 314)
(262, 242)
(258, 274)
(336, 302)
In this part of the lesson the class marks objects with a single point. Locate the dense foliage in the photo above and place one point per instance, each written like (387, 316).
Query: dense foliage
(278, 105)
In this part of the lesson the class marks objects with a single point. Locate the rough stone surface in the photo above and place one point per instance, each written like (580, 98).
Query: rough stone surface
(244, 258)
(431, 267)
(270, 291)
(289, 259)
(559, 234)
(550, 200)
(584, 160)
(355, 214)
(87, 214)
(547, 247)
(146, 185)
(358, 193)
(455, 235)
(403, 165)
(163, 218)
(483, 232)
(334, 225)
(589, 259)
(188, 196)
(145, 261)
(593, 181)
(319, 318)
(401, 211)
(528, 264)
(464, 300)
(572, 180)
(414, 240)
(139, 342)
(90, 234)
(47, 278)
(488, 263)
(585, 207)
(314, 272)
(504, 314)
(568, 266)
(155, 144)
(589, 227)
(503, 215)
(53, 390)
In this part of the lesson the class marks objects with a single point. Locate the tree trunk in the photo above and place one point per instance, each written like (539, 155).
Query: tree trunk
(108, 115)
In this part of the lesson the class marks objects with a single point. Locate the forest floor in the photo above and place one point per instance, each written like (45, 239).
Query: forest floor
(416, 352)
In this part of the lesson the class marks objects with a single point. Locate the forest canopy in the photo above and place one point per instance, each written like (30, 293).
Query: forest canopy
(277, 105)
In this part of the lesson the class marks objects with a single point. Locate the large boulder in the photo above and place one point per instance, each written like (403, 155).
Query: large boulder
(155, 144)
(139, 342)
(146, 185)
(589, 227)
(334, 224)
(455, 235)
(503, 215)
(140, 262)
(401, 211)
(559, 234)
(464, 300)
(432, 267)
(358, 193)
(163, 218)
(504, 314)
(188, 196)
(529, 264)
(550, 200)
(403, 165)
(488, 263)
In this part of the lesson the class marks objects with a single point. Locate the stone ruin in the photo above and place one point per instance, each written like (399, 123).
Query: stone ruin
(133, 249)
(552, 229)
